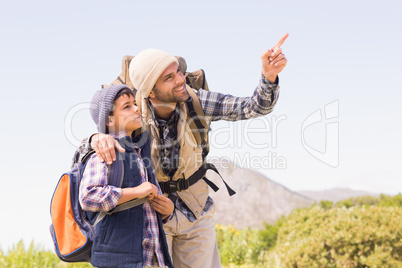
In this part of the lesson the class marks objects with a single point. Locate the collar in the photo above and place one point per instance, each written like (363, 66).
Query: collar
(161, 122)
(126, 141)
(118, 135)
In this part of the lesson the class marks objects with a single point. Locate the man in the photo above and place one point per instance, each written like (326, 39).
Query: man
(175, 154)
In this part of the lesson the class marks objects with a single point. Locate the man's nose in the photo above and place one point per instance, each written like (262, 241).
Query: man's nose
(179, 78)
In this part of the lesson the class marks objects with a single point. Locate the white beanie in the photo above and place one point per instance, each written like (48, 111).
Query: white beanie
(146, 67)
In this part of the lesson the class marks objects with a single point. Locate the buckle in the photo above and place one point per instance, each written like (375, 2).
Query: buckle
(172, 186)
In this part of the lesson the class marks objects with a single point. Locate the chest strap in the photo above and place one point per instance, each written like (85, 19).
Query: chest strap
(169, 187)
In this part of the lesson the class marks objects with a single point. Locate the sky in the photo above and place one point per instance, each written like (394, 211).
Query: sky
(337, 122)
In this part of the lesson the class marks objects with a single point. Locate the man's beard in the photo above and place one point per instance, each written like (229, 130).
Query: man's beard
(171, 97)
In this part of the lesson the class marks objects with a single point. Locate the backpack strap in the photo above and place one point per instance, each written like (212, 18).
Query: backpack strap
(85, 158)
(116, 168)
(116, 171)
(198, 125)
(199, 128)
(121, 207)
(169, 187)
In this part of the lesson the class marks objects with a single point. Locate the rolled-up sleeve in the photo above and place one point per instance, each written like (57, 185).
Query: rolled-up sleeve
(95, 193)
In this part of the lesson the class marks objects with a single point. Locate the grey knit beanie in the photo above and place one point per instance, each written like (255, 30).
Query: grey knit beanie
(147, 66)
(102, 103)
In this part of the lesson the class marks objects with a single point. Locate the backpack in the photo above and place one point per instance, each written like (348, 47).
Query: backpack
(72, 231)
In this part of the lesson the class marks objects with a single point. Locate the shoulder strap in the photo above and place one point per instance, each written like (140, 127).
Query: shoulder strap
(116, 168)
(85, 158)
(183, 184)
(116, 171)
(197, 122)
(122, 207)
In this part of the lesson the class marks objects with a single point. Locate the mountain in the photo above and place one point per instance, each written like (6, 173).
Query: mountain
(335, 194)
(257, 200)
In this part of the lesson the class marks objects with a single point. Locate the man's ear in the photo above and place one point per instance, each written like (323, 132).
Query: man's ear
(151, 94)
(110, 121)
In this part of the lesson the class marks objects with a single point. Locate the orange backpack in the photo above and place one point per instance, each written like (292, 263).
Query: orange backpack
(72, 231)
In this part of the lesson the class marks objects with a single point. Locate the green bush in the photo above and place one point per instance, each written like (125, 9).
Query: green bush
(33, 257)
(325, 204)
(269, 234)
(238, 246)
(341, 237)
(391, 201)
(381, 201)
(246, 246)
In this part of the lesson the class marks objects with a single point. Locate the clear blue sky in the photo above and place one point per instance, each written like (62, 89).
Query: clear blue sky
(343, 55)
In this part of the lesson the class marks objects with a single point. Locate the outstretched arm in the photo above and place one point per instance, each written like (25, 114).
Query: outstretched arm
(218, 106)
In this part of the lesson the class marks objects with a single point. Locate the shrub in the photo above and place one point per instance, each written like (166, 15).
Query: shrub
(382, 201)
(246, 246)
(269, 234)
(341, 237)
(391, 201)
(325, 204)
(238, 246)
(33, 257)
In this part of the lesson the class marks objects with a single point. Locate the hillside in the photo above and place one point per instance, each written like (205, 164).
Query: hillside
(257, 200)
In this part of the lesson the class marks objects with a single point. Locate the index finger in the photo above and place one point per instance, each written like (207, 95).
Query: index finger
(281, 41)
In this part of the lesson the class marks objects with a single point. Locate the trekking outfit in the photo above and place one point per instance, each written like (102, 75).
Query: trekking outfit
(131, 238)
(191, 233)
(177, 154)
